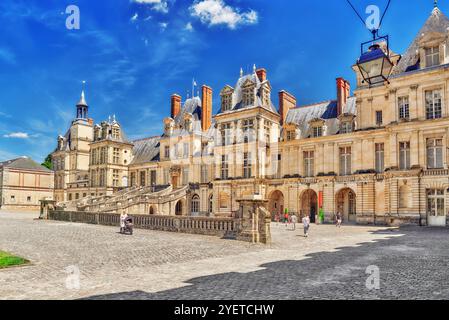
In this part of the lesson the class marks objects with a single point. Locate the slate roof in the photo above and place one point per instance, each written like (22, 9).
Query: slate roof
(146, 150)
(437, 22)
(23, 163)
(327, 111)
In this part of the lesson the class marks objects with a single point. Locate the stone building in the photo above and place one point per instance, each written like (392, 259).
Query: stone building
(23, 183)
(377, 156)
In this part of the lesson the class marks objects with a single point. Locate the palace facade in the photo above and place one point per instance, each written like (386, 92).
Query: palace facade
(379, 156)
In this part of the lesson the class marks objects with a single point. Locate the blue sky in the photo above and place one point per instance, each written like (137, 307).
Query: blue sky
(135, 53)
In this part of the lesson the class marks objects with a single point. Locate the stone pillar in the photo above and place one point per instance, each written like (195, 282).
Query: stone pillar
(255, 220)
(46, 206)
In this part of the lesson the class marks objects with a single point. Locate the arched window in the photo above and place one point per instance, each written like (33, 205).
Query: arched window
(195, 205)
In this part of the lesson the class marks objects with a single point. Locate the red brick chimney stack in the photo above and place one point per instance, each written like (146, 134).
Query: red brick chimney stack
(206, 106)
(343, 93)
(261, 74)
(286, 102)
(175, 105)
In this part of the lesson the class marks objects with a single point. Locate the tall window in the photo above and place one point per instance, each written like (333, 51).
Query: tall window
(142, 178)
(432, 56)
(248, 130)
(153, 177)
(102, 178)
(317, 131)
(434, 153)
(380, 160)
(116, 155)
(204, 174)
(404, 155)
(345, 161)
(133, 179)
(379, 118)
(433, 104)
(224, 167)
(226, 101)
(404, 108)
(247, 166)
(248, 97)
(267, 131)
(166, 152)
(309, 160)
(115, 178)
(226, 134)
(186, 150)
(166, 174)
(185, 175)
(195, 205)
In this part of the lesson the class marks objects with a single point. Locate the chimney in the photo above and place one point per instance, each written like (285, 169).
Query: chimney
(343, 93)
(175, 105)
(206, 107)
(261, 74)
(286, 102)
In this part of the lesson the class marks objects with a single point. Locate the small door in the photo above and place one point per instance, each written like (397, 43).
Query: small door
(436, 214)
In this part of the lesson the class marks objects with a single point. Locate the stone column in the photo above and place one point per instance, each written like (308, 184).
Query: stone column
(255, 220)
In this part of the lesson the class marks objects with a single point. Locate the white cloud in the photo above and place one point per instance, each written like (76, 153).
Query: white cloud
(189, 27)
(134, 17)
(157, 5)
(216, 12)
(17, 135)
(163, 25)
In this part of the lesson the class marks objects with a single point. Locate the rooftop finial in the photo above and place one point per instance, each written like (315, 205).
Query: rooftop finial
(241, 72)
(254, 68)
(435, 3)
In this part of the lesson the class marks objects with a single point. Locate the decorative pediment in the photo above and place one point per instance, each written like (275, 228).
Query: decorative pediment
(248, 84)
(227, 90)
(316, 122)
(345, 117)
(432, 39)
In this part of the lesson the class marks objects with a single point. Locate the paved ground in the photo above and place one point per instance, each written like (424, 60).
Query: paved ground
(413, 263)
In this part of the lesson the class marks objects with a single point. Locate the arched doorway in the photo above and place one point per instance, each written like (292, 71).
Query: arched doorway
(276, 203)
(178, 208)
(346, 204)
(195, 205)
(151, 210)
(309, 205)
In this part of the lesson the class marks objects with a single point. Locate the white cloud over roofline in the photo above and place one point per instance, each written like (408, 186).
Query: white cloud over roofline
(217, 12)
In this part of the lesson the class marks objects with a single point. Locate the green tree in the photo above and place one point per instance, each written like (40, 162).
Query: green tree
(47, 163)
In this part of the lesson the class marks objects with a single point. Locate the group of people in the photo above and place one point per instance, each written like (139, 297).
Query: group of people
(292, 220)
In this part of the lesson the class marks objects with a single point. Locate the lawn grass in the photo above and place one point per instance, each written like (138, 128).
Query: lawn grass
(8, 260)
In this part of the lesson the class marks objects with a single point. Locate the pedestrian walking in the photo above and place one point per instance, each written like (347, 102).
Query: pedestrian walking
(306, 224)
(277, 218)
(339, 219)
(286, 218)
(294, 220)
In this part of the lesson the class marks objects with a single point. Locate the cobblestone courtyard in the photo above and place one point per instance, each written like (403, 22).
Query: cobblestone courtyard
(331, 263)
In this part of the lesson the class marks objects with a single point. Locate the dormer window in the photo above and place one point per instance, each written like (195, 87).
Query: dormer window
(115, 133)
(317, 131)
(226, 101)
(291, 135)
(226, 98)
(248, 97)
(346, 127)
(432, 56)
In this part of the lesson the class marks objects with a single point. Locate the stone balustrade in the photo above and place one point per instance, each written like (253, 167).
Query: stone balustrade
(221, 227)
